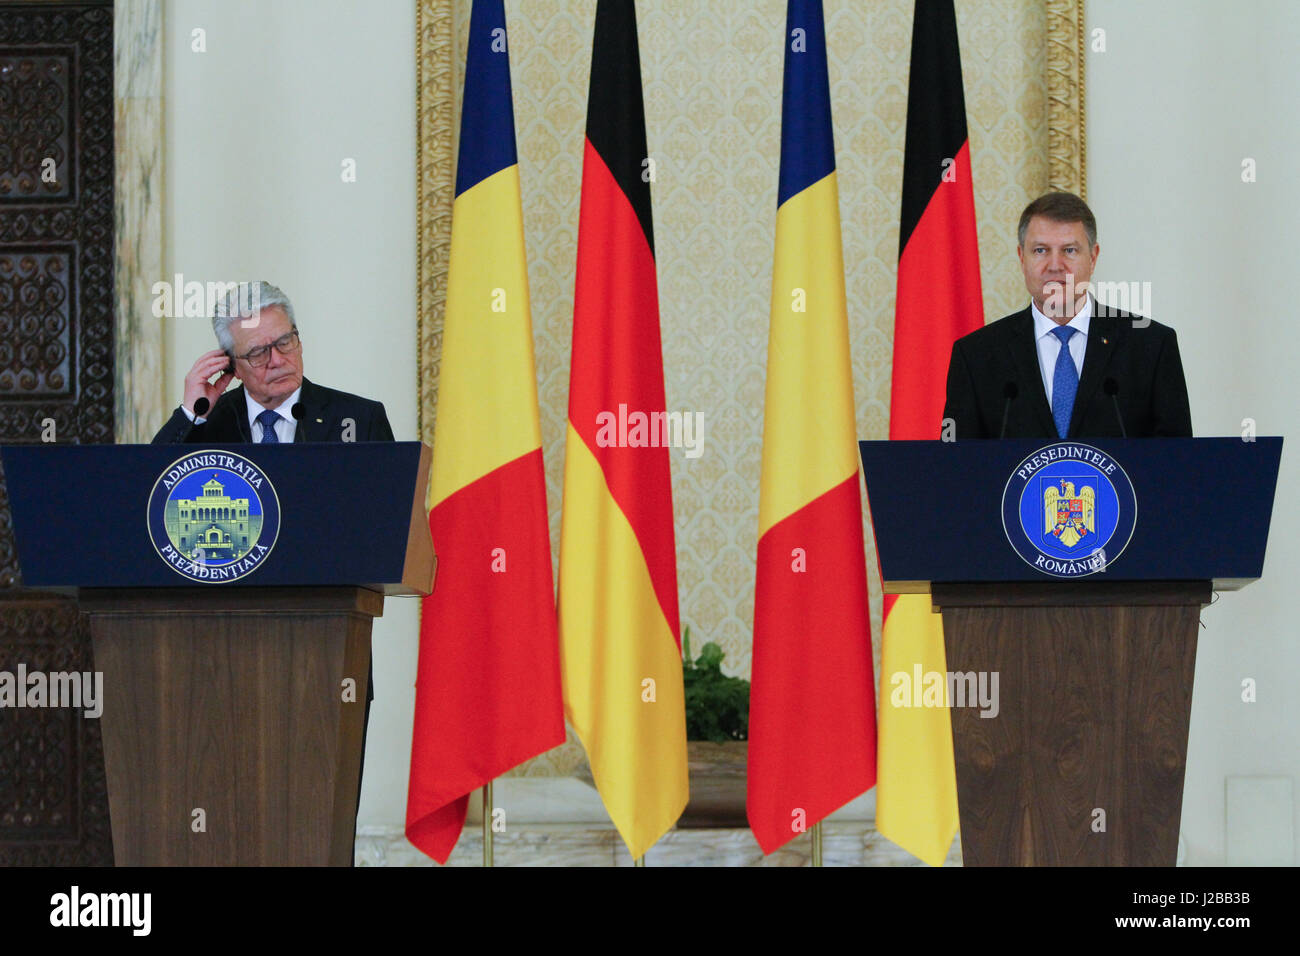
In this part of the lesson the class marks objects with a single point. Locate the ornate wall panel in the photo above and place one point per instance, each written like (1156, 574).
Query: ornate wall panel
(39, 117)
(436, 76)
(53, 793)
(56, 370)
(35, 322)
(712, 83)
(1066, 146)
(56, 223)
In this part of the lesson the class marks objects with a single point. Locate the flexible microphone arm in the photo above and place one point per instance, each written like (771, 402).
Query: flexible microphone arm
(1009, 392)
(1111, 388)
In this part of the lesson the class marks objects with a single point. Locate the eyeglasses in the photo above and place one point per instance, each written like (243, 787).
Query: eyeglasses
(286, 344)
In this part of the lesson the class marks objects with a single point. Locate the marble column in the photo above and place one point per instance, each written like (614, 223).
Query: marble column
(138, 144)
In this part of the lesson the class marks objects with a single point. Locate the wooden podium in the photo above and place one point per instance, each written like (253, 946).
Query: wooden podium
(233, 711)
(1095, 698)
(1082, 763)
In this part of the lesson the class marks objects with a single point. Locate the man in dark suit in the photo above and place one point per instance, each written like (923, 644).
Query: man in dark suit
(260, 343)
(1066, 366)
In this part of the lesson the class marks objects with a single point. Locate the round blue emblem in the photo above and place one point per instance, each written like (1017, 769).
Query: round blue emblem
(213, 516)
(1069, 510)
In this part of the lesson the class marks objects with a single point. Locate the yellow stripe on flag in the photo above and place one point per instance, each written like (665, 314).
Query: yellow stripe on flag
(613, 639)
(486, 381)
(916, 781)
(808, 424)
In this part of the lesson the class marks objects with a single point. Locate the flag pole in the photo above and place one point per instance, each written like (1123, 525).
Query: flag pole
(487, 824)
(817, 843)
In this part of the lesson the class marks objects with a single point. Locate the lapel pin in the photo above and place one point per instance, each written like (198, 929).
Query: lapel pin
(319, 420)
(1103, 342)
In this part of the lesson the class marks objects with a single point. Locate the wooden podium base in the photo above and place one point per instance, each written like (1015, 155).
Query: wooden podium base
(227, 739)
(1083, 764)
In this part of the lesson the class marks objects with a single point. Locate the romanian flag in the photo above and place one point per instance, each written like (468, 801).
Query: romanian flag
(812, 723)
(488, 686)
(619, 637)
(939, 301)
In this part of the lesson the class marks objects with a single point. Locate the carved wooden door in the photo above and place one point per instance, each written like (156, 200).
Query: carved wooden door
(56, 384)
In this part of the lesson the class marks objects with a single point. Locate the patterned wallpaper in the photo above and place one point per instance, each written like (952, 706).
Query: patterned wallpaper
(712, 82)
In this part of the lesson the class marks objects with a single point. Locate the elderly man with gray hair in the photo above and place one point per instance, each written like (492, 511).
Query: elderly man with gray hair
(261, 346)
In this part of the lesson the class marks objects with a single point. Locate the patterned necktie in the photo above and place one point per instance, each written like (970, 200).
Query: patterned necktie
(1065, 381)
(267, 420)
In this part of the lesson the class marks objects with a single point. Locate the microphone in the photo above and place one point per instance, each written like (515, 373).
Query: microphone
(1009, 392)
(201, 406)
(1111, 388)
(296, 411)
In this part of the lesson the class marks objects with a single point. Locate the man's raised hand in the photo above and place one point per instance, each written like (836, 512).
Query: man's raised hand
(197, 383)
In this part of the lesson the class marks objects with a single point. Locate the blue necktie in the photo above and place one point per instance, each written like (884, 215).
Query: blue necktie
(1065, 381)
(268, 419)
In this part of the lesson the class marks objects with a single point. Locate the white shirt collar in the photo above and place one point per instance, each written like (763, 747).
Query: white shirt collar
(254, 409)
(1043, 325)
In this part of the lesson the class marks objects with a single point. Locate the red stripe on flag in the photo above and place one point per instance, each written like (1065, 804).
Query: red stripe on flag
(488, 682)
(618, 360)
(938, 293)
(812, 713)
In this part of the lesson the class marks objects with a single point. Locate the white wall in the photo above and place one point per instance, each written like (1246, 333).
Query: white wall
(256, 129)
(1185, 90)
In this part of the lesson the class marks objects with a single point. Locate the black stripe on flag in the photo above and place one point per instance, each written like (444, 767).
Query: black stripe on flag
(615, 110)
(936, 109)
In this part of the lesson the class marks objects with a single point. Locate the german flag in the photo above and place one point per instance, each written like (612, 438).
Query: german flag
(939, 300)
(487, 691)
(619, 635)
(812, 716)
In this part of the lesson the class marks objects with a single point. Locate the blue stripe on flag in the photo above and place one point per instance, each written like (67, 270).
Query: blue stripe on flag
(487, 121)
(807, 142)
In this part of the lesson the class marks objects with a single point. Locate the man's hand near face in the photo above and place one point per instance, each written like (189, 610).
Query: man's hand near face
(197, 384)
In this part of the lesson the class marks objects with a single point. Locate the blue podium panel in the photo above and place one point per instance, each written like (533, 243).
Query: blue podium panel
(148, 516)
(1138, 509)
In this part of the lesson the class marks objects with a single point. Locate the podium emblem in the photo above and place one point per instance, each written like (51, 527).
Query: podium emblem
(1069, 510)
(1071, 516)
(213, 516)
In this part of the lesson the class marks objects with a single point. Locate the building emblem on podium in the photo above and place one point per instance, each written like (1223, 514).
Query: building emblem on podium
(213, 516)
(1069, 510)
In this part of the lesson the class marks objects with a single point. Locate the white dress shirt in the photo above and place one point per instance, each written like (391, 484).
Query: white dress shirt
(285, 423)
(1049, 345)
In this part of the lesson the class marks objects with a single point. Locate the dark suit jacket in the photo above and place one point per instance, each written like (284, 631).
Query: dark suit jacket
(323, 413)
(1142, 360)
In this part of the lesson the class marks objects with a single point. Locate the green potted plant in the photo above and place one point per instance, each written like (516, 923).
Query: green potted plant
(717, 734)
